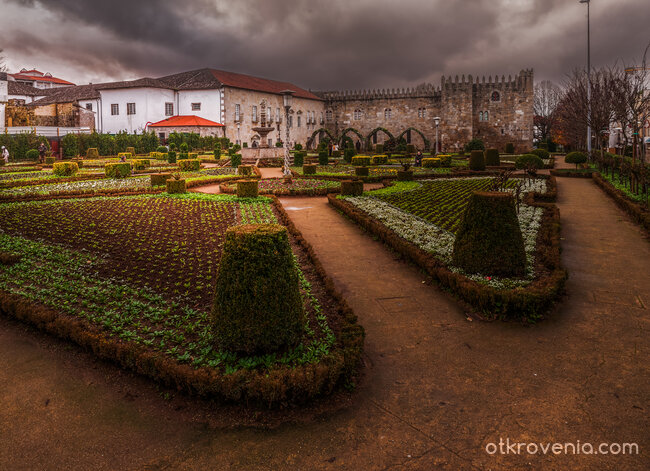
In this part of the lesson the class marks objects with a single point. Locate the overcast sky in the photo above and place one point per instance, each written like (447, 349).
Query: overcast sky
(319, 44)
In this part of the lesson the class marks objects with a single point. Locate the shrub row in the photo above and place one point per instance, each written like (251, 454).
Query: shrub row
(637, 212)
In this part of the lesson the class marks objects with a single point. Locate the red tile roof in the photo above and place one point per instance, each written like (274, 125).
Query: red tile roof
(177, 121)
(36, 75)
(248, 82)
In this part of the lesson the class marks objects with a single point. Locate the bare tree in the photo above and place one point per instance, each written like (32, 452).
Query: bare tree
(3, 67)
(547, 97)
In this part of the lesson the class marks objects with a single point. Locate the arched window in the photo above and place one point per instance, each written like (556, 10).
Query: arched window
(328, 115)
(496, 96)
(485, 116)
(480, 116)
(357, 114)
(387, 113)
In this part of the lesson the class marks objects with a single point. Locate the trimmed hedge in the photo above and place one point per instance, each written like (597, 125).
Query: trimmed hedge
(66, 169)
(92, 153)
(257, 304)
(299, 158)
(379, 159)
(189, 165)
(379, 148)
(117, 169)
(49, 160)
(510, 148)
(349, 153)
(526, 160)
(576, 158)
(126, 155)
(309, 169)
(247, 188)
(79, 162)
(360, 160)
(171, 157)
(245, 170)
(477, 160)
(361, 171)
(541, 153)
(638, 213)
(175, 186)
(352, 187)
(489, 240)
(404, 175)
(160, 179)
(235, 160)
(131, 150)
(431, 162)
(32, 154)
(193, 155)
(323, 159)
(140, 164)
(492, 158)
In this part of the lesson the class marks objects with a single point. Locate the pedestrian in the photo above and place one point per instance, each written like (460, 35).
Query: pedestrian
(418, 159)
(122, 158)
(329, 149)
(41, 152)
(5, 155)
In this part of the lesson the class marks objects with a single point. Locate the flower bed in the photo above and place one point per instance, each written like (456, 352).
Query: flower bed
(298, 186)
(375, 174)
(419, 219)
(133, 279)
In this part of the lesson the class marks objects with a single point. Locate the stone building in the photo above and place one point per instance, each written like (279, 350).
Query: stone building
(497, 111)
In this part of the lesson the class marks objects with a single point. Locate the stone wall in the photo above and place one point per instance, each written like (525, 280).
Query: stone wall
(203, 131)
(457, 102)
(242, 131)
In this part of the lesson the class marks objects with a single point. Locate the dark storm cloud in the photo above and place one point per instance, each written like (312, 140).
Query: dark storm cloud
(335, 43)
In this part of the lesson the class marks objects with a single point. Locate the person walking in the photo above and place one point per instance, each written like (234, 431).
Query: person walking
(418, 159)
(41, 152)
(5, 155)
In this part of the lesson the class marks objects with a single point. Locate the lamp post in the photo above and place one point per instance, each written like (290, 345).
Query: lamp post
(436, 120)
(588, 80)
(287, 98)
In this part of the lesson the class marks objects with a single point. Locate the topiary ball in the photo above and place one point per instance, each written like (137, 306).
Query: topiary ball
(257, 304)
(576, 158)
(476, 160)
(489, 239)
(528, 160)
(541, 153)
(492, 158)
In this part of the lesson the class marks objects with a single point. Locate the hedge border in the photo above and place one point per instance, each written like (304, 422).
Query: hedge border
(229, 189)
(638, 213)
(96, 176)
(528, 304)
(571, 174)
(276, 388)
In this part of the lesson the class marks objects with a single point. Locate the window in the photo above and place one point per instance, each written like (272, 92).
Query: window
(115, 109)
(237, 112)
(321, 118)
(290, 121)
(130, 108)
(480, 116)
(388, 113)
(161, 136)
(89, 106)
(169, 109)
(278, 118)
(299, 120)
(485, 116)
(422, 112)
(496, 96)
(357, 114)
(196, 106)
(254, 114)
(328, 115)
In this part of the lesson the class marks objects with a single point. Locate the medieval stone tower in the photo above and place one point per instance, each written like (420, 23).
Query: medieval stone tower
(496, 110)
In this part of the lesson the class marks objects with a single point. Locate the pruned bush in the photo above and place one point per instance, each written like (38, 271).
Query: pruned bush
(79, 162)
(529, 160)
(175, 185)
(246, 170)
(323, 159)
(130, 150)
(492, 158)
(299, 158)
(247, 188)
(183, 156)
(117, 169)
(189, 165)
(510, 148)
(235, 160)
(576, 158)
(32, 154)
(66, 169)
(193, 155)
(92, 153)
(257, 304)
(431, 162)
(362, 160)
(49, 160)
(489, 240)
(171, 157)
(445, 160)
(184, 148)
(361, 171)
(161, 149)
(379, 159)
(477, 160)
(126, 155)
(410, 148)
(541, 153)
(349, 153)
(336, 154)
(474, 144)
(217, 151)
(351, 187)
(309, 169)
(159, 179)
(404, 175)
(379, 148)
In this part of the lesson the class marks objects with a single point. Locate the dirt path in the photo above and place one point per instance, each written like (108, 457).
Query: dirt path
(437, 387)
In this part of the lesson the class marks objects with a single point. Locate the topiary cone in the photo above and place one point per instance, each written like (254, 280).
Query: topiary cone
(492, 158)
(257, 305)
(489, 239)
(476, 160)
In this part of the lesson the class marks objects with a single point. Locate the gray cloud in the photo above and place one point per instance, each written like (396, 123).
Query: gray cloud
(321, 44)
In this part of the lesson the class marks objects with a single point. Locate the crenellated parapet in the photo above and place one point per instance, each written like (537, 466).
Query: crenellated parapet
(421, 91)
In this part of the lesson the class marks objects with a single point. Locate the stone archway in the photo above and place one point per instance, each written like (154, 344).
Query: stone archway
(427, 143)
(375, 131)
(310, 141)
(352, 130)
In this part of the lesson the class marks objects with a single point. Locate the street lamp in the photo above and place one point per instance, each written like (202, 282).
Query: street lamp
(588, 80)
(287, 98)
(436, 120)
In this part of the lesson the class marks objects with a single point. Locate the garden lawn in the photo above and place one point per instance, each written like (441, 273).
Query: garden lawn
(142, 269)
